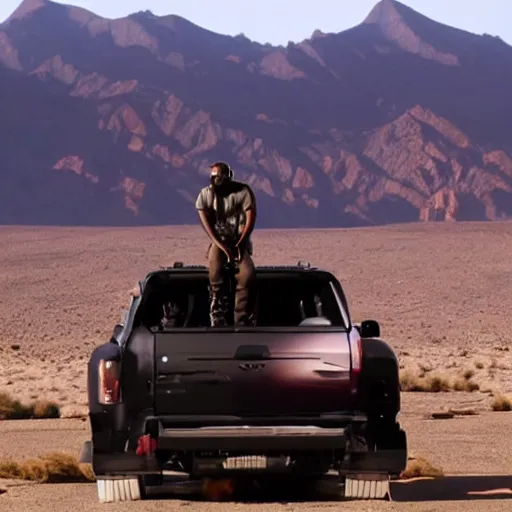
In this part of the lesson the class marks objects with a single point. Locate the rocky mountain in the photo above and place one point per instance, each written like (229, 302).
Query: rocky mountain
(113, 122)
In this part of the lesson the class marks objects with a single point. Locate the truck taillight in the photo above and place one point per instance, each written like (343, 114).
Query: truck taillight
(356, 360)
(108, 376)
(146, 445)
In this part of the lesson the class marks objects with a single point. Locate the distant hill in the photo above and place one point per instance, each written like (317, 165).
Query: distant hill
(113, 122)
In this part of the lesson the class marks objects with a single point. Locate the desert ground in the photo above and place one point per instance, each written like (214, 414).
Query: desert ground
(441, 293)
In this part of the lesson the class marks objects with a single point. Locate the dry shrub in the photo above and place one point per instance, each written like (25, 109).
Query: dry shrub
(50, 468)
(465, 385)
(501, 403)
(45, 409)
(418, 467)
(11, 409)
(469, 374)
(435, 383)
(429, 384)
(409, 382)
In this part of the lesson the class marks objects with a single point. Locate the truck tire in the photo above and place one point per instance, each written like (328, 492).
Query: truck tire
(111, 490)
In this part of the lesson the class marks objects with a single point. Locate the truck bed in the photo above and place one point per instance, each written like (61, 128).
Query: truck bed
(265, 373)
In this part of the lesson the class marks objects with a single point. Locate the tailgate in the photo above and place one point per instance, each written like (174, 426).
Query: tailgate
(251, 373)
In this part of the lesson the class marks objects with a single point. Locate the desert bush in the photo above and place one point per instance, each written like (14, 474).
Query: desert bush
(11, 409)
(419, 467)
(410, 382)
(501, 403)
(45, 409)
(465, 385)
(469, 374)
(428, 384)
(50, 468)
(435, 383)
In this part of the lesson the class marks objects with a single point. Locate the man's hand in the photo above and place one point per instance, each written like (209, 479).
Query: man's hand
(233, 254)
(205, 221)
(246, 233)
(227, 252)
(238, 252)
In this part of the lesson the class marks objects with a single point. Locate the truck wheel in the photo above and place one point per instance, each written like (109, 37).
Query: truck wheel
(112, 490)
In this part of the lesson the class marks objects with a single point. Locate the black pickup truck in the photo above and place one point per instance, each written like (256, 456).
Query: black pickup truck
(304, 392)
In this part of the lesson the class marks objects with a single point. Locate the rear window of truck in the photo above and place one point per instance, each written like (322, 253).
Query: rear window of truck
(282, 300)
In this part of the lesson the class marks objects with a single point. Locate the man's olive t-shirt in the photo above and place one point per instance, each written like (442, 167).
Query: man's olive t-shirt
(229, 210)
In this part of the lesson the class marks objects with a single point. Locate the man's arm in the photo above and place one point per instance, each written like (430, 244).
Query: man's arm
(207, 226)
(249, 206)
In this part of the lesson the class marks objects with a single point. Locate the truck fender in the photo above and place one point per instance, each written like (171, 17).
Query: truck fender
(379, 380)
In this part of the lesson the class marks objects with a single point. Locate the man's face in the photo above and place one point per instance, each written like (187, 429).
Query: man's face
(216, 177)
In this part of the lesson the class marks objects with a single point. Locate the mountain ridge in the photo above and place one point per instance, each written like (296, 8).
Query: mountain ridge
(389, 121)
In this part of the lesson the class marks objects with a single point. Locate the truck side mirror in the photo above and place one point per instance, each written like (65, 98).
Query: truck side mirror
(370, 329)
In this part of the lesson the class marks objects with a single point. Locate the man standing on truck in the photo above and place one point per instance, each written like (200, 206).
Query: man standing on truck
(227, 209)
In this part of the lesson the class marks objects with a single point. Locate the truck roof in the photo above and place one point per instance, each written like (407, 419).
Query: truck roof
(300, 265)
(301, 268)
(180, 267)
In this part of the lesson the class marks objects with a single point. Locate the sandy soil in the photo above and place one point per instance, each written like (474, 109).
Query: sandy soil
(440, 292)
(470, 450)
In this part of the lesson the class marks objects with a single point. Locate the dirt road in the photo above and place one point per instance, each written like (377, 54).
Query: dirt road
(418, 497)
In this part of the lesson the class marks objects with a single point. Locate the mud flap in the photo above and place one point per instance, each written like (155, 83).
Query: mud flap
(368, 486)
(390, 457)
(391, 462)
(124, 464)
(113, 490)
(86, 453)
(106, 465)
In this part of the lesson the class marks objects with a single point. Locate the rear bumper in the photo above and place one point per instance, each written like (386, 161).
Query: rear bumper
(334, 442)
(247, 438)
(239, 439)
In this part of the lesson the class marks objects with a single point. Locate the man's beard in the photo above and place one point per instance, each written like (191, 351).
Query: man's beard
(220, 187)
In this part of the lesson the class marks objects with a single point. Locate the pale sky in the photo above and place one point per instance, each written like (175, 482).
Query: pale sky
(281, 21)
